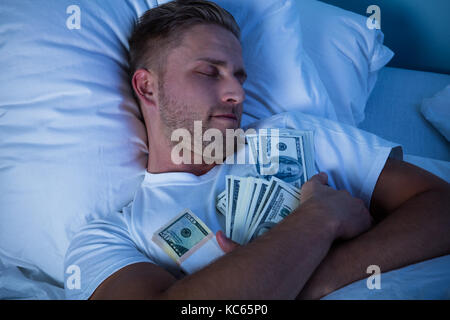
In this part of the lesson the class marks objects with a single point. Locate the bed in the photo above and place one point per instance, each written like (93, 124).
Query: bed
(73, 145)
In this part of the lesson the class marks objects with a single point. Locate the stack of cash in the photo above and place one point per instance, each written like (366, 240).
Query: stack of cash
(252, 205)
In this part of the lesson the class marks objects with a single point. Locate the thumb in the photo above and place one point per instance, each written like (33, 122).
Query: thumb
(313, 185)
(226, 244)
(321, 178)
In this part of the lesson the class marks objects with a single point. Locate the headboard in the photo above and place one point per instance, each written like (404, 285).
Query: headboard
(417, 31)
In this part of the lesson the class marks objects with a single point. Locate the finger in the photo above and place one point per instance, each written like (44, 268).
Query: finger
(323, 178)
(320, 178)
(226, 244)
(314, 184)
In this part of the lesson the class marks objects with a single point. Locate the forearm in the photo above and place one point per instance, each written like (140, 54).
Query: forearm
(274, 266)
(416, 231)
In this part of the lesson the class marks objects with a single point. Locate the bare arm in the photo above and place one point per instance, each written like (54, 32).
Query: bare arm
(274, 266)
(412, 208)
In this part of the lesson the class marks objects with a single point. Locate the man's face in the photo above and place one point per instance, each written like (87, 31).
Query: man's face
(203, 81)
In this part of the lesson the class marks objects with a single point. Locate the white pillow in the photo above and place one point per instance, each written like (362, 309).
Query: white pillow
(73, 144)
(437, 111)
(346, 53)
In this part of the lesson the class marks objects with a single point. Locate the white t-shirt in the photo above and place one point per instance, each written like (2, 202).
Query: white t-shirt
(352, 158)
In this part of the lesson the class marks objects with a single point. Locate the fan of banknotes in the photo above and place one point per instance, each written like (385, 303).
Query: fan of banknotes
(252, 205)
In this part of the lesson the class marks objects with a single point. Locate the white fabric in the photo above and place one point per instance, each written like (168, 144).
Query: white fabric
(202, 256)
(346, 53)
(353, 159)
(437, 111)
(17, 283)
(427, 280)
(73, 144)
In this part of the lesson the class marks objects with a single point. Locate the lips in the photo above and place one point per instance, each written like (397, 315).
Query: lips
(226, 116)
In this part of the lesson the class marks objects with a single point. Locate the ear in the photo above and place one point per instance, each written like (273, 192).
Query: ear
(145, 86)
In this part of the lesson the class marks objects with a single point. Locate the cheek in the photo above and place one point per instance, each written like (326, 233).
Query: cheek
(203, 88)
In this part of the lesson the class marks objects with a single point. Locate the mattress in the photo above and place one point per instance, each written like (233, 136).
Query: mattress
(393, 111)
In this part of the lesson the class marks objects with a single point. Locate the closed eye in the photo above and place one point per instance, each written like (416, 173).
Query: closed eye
(211, 75)
(211, 71)
(240, 73)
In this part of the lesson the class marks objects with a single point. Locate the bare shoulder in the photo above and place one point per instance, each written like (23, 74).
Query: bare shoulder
(136, 281)
(398, 182)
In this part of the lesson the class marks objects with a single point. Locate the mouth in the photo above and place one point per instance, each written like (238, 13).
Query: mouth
(228, 116)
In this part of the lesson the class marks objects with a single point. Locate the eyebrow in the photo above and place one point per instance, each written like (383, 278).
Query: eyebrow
(239, 72)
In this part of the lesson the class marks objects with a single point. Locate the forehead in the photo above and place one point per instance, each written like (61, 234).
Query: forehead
(209, 41)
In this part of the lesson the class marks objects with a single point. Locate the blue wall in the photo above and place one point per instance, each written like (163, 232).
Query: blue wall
(418, 31)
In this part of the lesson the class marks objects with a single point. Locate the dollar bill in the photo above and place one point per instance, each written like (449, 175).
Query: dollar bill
(258, 198)
(251, 205)
(182, 236)
(286, 154)
(235, 186)
(221, 203)
(282, 200)
(248, 186)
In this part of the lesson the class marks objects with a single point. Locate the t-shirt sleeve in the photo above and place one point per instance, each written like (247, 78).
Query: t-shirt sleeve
(97, 251)
(352, 158)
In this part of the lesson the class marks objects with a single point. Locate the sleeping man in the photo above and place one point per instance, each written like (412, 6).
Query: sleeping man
(366, 207)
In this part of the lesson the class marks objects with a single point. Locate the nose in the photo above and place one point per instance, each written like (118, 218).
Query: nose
(232, 92)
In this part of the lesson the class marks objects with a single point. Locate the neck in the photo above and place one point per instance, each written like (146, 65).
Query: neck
(160, 161)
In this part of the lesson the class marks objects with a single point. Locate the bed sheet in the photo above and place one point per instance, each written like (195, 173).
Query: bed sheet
(427, 280)
(20, 283)
(393, 111)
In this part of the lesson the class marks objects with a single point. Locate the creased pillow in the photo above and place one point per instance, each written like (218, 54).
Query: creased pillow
(72, 144)
(346, 53)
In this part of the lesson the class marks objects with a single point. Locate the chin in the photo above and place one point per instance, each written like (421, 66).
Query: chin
(223, 124)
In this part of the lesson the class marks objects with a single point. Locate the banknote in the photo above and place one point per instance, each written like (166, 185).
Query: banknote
(256, 205)
(221, 203)
(182, 236)
(286, 154)
(282, 199)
